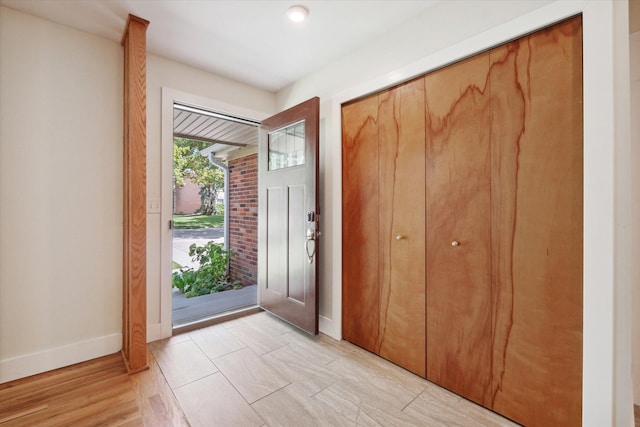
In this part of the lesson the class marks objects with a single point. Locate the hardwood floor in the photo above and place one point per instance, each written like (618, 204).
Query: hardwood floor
(97, 392)
(253, 371)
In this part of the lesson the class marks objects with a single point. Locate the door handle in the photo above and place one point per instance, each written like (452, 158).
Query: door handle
(311, 237)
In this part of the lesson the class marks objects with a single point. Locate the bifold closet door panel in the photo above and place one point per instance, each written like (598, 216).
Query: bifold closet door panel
(537, 211)
(458, 210)
(401, 135)
(360, 261)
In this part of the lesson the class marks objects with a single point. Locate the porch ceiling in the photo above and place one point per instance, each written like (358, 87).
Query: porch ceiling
(226, 134)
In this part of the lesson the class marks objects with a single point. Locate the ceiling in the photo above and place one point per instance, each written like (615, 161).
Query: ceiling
(249, 41)
(225, 134)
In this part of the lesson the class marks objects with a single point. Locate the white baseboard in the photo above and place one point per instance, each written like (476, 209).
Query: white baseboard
(35, 363)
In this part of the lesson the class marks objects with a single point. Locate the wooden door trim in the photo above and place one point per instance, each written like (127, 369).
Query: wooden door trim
(134, 303)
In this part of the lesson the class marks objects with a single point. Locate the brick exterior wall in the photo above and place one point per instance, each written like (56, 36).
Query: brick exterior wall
(243, 219)
(187, 198)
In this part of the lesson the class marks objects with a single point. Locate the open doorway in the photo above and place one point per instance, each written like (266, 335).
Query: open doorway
(215, 210)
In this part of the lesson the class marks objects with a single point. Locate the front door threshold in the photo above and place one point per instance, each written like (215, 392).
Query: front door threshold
(214, 320)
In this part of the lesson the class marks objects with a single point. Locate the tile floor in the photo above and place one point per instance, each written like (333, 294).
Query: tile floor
(260, 371)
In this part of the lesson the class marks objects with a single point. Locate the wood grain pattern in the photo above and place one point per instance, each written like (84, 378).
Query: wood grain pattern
(97, 392)
(134, 322)
(360, 258)
(401, 168)
(504, 180)
(537, 211)
(458, 315)
(60, 389)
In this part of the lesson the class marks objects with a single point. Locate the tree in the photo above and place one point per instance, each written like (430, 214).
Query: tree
(187, 161)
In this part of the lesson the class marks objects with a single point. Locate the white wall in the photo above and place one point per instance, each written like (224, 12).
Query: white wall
(61, 233)
(437, 28)
(635, 208)
(61, 195)
(454, 30)
(169, 81)
(622, 202)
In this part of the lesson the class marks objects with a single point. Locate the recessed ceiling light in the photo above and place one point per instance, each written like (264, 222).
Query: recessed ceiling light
(297, 13)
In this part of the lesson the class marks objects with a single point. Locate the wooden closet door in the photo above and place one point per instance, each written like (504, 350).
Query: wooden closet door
(537, 210)
(401, 235)
(360, 283)
(458, 210)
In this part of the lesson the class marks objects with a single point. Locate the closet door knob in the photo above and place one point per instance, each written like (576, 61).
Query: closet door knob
(455, 243)
(399, 237)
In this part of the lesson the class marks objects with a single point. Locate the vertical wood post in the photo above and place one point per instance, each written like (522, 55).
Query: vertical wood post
(134, 317)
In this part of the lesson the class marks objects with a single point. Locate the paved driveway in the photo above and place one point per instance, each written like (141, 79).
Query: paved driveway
(183, 238)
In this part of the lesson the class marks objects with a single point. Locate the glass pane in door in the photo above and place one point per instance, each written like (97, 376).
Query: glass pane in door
(286, 147)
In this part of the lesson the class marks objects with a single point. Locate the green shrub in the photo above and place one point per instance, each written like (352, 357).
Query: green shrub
(210, 277)
(219, 209)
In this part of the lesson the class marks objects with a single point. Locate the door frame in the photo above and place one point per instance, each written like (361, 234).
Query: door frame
(162, 327)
